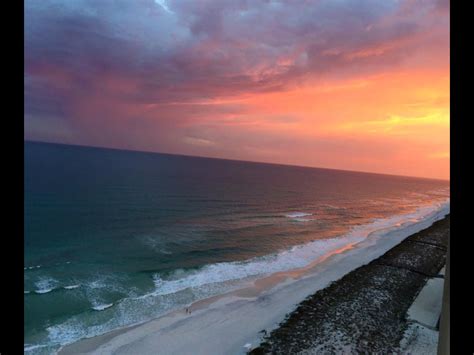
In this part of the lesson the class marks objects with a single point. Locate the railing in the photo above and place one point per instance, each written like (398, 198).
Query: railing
(443, 341)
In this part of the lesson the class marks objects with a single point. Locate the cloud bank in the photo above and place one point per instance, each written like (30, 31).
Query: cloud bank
(191, 76)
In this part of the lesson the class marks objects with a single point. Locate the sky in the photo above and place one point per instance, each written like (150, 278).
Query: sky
(354, 85)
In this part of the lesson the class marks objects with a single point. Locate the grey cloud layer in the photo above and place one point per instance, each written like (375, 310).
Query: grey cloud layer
(97, 65)
(203, 49)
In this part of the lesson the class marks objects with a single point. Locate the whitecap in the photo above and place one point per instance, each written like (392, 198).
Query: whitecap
(294, 257)
(45, 285)
(101, 307)
(297, 214)
(71, 287)
(201, 281)
(29, 347)
(31, 267)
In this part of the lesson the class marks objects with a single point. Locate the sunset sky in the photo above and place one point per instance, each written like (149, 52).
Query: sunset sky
(356, 85)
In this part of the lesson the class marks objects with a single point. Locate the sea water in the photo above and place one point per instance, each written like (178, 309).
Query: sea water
(114, 238)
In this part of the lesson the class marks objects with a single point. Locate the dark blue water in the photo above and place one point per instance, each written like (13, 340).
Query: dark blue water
(117, 237)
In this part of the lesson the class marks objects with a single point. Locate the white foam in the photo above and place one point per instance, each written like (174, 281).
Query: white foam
(30, 347)
(296, 257)
(45, 285)
(31, 267)
(71, 287)
(101, 307)
(297, 214)
(240, 319)
(218, 276)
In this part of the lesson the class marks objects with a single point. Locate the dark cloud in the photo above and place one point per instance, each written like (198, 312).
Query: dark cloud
(99, 64)
(203, 49)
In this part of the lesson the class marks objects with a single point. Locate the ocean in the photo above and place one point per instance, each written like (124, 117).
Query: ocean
(114, 237)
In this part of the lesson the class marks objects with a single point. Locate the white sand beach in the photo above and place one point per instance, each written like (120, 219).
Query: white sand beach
(233, 323)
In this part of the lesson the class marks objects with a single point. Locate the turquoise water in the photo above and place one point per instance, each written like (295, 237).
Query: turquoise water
(118, 237)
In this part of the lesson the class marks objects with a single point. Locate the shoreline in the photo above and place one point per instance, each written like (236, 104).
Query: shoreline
(234, 321)
(391, 305)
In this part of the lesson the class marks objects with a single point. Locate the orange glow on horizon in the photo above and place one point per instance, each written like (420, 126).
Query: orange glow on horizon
(405, 110)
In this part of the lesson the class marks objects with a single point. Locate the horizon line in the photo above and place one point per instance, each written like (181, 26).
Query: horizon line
(238, 160)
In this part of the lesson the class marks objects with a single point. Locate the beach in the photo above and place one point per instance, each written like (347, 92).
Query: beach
(193, 172)
(375, 308)
(136, 239)
(237, 322)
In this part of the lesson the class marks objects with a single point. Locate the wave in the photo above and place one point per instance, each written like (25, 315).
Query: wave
(101, 307)
(45, 285)
(44, 290)
(296, 257)
(31, 347)
(186, 286)
(297, 214)
(31, 267)
(34, 267)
